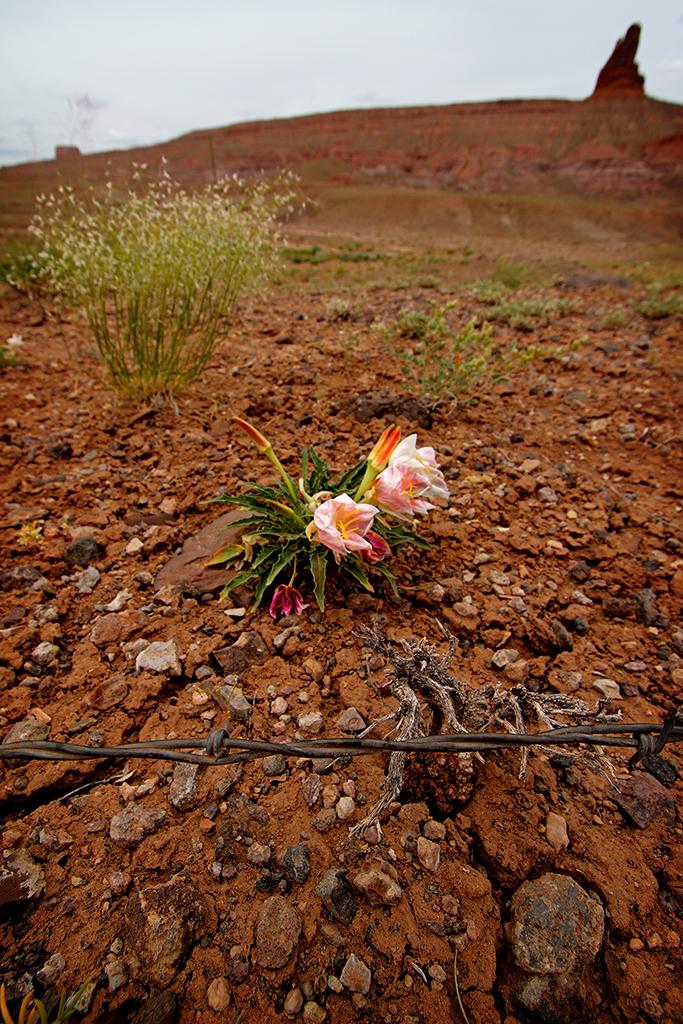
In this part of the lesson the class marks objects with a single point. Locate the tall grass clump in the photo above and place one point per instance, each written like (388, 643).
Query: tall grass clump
(158, 269)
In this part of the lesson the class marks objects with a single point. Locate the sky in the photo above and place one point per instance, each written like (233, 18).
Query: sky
(111, 75)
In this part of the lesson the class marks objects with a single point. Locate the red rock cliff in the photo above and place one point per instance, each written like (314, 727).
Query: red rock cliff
(620, 75)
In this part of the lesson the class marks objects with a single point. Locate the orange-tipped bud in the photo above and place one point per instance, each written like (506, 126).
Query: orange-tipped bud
(379, 456)
(261, 442)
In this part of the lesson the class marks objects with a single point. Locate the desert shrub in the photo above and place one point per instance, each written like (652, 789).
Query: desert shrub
(437, 361)
(660, 303)
(527, 313)
(442, 363)
(510, 274)
(610, 318)
(490, 292)
(158, 270)
(341, 308)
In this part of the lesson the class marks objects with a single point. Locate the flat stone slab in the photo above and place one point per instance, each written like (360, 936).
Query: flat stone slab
(187, 570)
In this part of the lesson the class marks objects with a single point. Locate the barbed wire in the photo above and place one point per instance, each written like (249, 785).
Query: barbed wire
(219, 748)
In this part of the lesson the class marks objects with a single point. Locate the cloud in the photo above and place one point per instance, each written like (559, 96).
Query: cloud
(670, 67)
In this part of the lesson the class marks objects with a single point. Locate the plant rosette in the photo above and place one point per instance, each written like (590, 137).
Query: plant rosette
(294, 533)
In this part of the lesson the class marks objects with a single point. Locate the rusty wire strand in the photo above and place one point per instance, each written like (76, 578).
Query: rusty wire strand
(625, 735)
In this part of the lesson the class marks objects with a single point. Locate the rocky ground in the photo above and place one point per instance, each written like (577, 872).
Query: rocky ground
(237, 893)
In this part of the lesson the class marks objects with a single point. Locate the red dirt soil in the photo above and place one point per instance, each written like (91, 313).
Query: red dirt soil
(562, 540)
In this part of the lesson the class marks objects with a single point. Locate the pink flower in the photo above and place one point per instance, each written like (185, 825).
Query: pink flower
(421, 462)
(286, 599)
(380, 548)
(399, 490)
(342, 523)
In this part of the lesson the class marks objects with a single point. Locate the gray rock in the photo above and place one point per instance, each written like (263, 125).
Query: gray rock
(547, 495)
(44, 654)
(337, 896)
(239, 707)
(351, 720)
(275, 764)
(83, 551)
(162, 922)
(26, 731)
(21, 878)
(87, 580)
(506, 656)
(160, 656)
(646, 608)
(311, 788)
(117, 974)
(184, 785)
(130, 826)
(324, 820)
(249, 649)
(277, 932)
(555, 933)
(643, 798)
(51, 969)
(259, 854)
(608, 688)
(311, 722)
(296, 862)
(356, 975)
(378, 887)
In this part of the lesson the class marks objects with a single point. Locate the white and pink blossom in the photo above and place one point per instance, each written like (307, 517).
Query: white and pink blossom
(399, 490)
(422, 465)
(342, 523)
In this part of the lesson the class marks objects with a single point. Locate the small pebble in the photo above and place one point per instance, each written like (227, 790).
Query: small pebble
(218, 995)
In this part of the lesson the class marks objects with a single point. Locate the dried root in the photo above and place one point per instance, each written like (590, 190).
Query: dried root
(417, 669)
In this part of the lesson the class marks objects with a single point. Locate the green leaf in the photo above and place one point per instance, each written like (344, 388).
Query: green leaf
(389, 577)
(320, 477)
(318, 562)
(350, 480)
(239, 580)
(225, 554)
(356, 570)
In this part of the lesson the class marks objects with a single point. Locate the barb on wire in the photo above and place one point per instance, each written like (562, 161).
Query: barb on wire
(219, 748)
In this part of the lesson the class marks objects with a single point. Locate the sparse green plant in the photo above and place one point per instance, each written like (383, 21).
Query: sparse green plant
(349, 344)
(32, 1010)
(660, 303)
(157, 270)
(528, 313)
(489, 292)
(511, 274)
(430, 324)
(339, 308)
(442, 363)
(436, 361)
(611, 318)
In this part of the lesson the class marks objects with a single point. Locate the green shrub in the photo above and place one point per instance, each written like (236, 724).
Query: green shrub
(525, 314)
(610, 318)
(157, 271)
(660, 303)
(440, 363)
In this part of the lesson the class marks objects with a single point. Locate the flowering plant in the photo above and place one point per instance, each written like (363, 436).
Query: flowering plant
(291, 529)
